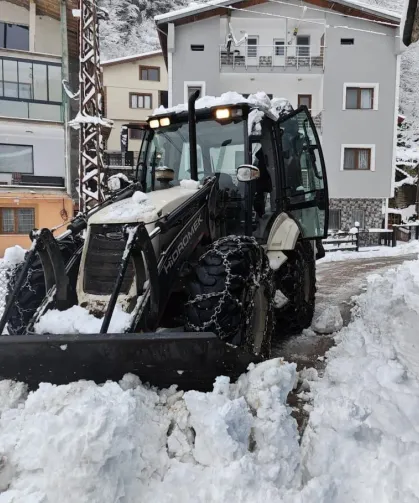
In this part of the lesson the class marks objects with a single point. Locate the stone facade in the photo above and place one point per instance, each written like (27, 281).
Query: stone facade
(368, 212)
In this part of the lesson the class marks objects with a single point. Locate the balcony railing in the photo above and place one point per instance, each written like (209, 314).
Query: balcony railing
(273, 56)
(30, 89)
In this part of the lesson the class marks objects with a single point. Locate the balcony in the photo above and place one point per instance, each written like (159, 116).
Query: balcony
(30, 88)
(273, 57)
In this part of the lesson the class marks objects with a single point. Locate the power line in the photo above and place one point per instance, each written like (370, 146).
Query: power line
(269, 14)
(330, 11)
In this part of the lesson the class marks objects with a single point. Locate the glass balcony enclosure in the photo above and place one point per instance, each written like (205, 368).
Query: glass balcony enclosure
(30, 89)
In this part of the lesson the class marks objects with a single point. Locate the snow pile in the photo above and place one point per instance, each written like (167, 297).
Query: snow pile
(372, 252)
(329, 321)
(89, 119)
(14, 255)
(229, 98)
(78, 320)
(138, 208)
(84, 443)
(189, 184)
(362, 440)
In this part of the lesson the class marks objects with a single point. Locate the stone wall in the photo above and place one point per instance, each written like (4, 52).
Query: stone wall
(372, 209)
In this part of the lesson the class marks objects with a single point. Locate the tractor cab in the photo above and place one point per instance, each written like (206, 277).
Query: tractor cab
(266, 161)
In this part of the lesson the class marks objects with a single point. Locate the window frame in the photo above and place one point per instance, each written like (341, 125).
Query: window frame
(144, 95)
(369, 147)
(19, 145)
(339, 212)
(193, 83)
(16, 220)
(354, 85)
(20, 25)
(361, 221)
(47, 64)
(146, 68)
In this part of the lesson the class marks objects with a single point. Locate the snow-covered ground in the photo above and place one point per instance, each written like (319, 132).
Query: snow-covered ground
(126, 443)
(372, 252)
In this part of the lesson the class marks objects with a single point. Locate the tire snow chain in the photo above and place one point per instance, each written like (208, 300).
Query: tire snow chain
(256, 278)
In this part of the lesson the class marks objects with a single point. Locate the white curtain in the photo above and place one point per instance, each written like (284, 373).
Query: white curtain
(363, 159)
(366, 98)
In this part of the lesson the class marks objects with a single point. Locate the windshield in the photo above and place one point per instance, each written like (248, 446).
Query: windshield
(220, 149)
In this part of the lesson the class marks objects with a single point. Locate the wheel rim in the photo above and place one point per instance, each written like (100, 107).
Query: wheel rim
(258, 320)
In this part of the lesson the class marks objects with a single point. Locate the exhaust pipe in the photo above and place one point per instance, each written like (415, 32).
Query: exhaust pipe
(192, 135)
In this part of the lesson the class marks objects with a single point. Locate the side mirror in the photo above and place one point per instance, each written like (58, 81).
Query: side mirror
(247, 173)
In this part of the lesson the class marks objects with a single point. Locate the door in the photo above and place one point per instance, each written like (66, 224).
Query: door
(303, 46)
(305, 184)
(279, 52)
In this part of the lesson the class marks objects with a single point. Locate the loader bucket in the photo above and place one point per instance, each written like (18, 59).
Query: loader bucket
(190, 360)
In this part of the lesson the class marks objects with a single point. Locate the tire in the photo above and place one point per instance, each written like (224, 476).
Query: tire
(296, 279)
(33, 290)
(232, 293)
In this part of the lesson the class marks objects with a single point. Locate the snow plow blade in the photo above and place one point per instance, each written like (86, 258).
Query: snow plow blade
(190, 360)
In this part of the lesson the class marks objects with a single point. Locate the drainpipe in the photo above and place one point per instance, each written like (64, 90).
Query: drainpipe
(32, 25)
(66, 100)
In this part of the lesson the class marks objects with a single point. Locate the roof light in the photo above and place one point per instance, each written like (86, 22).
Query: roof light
(222, 113)
(154, 123)
(165, 121)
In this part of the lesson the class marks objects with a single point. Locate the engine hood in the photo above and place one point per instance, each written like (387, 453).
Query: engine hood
(143, 208)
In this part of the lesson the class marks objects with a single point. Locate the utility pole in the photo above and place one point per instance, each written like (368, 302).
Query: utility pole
(93, 126)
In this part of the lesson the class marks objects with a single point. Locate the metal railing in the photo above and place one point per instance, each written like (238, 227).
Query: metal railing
(273, 56)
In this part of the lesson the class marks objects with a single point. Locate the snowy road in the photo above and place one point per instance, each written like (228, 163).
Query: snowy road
(337, 283)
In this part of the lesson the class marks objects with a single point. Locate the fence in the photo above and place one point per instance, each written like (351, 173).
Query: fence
(353, 241)
(412, 231)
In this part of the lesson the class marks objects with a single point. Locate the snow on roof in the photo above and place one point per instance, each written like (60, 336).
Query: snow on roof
(229, 98)
(133, 57)
(196, 8)
(258, 100)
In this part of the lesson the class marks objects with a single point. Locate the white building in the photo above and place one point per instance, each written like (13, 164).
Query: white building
(341, 61)
(35, 148)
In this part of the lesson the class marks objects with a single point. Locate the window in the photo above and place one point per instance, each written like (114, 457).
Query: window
(252, 47)
(150, 73)
(30, 89)
(164, 98)
(359, 98)
(14, 36)
(305, 99)
(16, 158)
(347, 41)
(279, 47)
(140, 100)
(357, 158)
(192, 89)
(191, 86)
(358, 217)
(196, 47)
(303, 41)
(334, 220)
(17, 220)
(136, 134)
